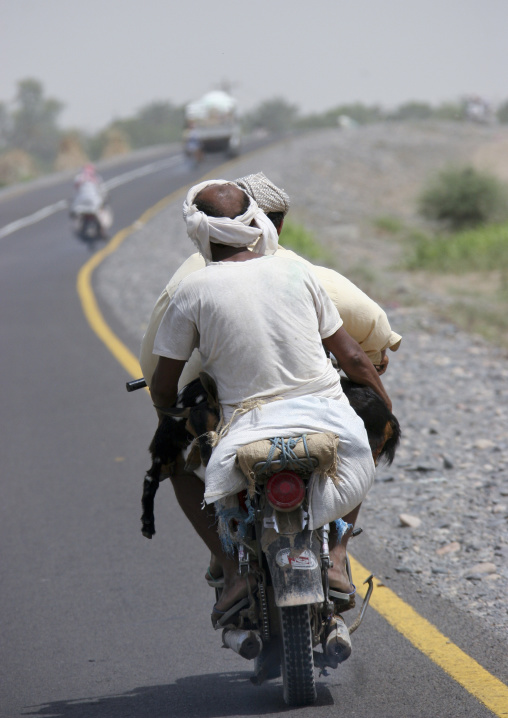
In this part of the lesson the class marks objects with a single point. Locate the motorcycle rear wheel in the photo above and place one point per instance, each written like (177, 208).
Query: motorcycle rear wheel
(297, 658)
(89, 230)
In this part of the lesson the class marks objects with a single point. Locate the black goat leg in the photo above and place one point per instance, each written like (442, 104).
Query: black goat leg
(150, 486)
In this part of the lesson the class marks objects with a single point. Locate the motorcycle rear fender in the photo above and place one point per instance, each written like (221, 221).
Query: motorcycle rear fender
(294, 564)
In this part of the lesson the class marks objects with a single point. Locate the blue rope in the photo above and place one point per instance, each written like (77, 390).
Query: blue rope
(288, 458)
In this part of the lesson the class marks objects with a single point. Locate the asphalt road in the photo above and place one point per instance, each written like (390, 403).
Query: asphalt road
(96, 620)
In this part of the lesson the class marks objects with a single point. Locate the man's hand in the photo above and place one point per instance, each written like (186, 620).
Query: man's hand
(164, 385)
(383, 364)
(355, 363)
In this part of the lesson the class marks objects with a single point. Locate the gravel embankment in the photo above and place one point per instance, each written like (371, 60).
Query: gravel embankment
(449, 389)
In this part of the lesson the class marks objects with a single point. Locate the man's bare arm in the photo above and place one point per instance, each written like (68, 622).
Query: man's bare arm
(164, 386)
(355, 363)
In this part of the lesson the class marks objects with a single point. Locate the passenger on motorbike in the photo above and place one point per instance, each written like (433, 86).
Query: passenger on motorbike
(259, 322)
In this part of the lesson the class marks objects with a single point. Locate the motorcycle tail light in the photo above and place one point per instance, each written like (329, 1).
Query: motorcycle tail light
(285, 491)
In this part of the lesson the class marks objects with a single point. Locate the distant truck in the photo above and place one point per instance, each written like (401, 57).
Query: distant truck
(212, 121)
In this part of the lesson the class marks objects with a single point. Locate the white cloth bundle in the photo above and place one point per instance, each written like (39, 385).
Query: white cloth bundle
(262, 237)
(328, 499)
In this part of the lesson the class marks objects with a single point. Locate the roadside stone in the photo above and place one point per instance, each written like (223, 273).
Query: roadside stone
(410, 521)
(499, 508)
(448, 548)
(483, 444)
(483, 568)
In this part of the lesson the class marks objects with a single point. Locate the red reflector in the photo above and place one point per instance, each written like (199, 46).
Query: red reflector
(285, 491)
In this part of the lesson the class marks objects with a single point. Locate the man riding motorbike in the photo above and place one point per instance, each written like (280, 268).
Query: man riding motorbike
(363, 318)
(91, 197)
(259, 322)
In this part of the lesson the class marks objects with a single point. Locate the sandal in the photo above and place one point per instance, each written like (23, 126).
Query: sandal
(222, 618)
(343, 601)
(212, 581)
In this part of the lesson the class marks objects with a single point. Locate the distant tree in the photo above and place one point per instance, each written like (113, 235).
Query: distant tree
(34, 121)
(359, 113)
(275, 115)
(413, 111)
(5, 126)
(156, 123)
(450, 111)
(502, 113)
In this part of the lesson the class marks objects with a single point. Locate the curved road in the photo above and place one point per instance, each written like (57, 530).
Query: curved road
(96, 620)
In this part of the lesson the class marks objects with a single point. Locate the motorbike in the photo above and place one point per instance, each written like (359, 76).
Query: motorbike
(291, 622)
(91, 217)
(288, 623)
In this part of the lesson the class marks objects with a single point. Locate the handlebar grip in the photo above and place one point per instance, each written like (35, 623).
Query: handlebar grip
(135, 384)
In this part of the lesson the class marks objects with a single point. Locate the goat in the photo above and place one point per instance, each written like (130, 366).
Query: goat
(196, 412)
(383, 428)
(197, 404)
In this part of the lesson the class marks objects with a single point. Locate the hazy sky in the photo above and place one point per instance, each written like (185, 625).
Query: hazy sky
(108, 58)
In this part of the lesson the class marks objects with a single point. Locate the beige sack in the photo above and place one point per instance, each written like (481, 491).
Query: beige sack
(322, 447)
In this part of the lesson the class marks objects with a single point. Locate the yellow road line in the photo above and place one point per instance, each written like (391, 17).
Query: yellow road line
(420, 632)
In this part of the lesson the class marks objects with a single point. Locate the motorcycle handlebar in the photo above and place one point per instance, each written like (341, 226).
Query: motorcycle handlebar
(135, 384)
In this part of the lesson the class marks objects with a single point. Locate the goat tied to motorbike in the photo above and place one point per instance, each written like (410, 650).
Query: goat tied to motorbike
(194, 415)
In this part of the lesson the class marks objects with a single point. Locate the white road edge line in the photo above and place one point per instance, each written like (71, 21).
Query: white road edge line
(110, 184)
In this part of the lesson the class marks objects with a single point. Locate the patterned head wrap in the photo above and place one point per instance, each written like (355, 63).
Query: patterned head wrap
(269, 197)
(262, 237)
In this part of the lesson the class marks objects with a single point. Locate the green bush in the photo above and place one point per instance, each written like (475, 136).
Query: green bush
(463, 198)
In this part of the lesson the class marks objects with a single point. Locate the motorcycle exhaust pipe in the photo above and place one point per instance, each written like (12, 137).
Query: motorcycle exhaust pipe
(247, 644)
(338, 642)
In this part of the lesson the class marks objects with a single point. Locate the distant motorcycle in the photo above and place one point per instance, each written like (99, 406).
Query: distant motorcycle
(91, 216)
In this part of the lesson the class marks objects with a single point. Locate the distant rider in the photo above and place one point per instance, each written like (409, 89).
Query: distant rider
(91, 192)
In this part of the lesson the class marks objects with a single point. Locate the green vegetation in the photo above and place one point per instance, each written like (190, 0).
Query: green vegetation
(294, 236)
(502, 113)
(463, 198)
(484, 316)
(154, 124)
(32, 125)
(360, 114)
(469, 264)
(275, 115)
(388, 224)
(484, 249)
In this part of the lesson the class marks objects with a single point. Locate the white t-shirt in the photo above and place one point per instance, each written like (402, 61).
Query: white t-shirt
(363, 319)
(258, 326)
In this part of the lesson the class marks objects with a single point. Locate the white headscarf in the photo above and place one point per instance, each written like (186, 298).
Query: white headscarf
(261, 238)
